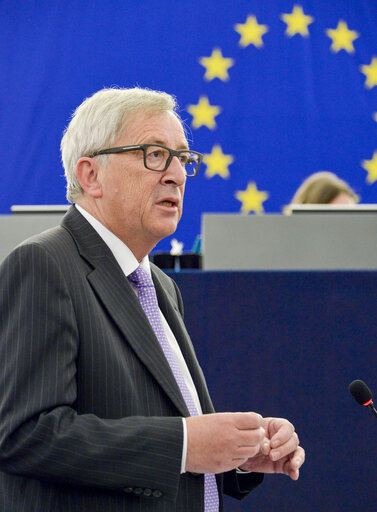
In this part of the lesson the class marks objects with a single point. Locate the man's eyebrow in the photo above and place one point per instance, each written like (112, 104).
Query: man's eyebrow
(163, 143)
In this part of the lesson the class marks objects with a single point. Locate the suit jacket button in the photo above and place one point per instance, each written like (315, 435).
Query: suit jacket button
(128, 489)
(157, 493)
(147, 492)
(138, 490)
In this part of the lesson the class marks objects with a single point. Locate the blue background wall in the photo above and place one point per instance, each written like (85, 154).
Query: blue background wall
(292, 104)
(288, 344)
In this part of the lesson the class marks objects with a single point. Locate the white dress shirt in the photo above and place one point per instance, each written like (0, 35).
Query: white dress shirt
(128, 263)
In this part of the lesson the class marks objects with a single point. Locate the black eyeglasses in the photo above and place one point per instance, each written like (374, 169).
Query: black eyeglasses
(158, 158)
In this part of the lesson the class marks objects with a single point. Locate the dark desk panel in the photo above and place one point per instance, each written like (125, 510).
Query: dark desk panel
(288, 344)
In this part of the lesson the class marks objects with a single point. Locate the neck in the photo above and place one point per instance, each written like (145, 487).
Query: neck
(140, 248)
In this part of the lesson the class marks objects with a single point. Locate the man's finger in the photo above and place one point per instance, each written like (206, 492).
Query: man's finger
(247, 420)
(283, 432)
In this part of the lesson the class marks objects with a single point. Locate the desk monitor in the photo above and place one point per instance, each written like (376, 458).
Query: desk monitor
(39, 208)
(294, 209)
(26, 221)
(342, 241)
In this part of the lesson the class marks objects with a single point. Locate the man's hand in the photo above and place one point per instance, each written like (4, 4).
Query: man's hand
(223, 441)
(280, 451)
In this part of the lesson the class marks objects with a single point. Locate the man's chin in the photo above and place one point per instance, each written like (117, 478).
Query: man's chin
(164, 230)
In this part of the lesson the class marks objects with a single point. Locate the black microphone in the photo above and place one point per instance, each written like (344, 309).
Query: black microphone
(362, 394)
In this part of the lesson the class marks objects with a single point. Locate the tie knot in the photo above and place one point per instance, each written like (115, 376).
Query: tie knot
(140, 278)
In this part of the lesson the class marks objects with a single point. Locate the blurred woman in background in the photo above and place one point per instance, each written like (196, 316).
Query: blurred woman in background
(325, 188)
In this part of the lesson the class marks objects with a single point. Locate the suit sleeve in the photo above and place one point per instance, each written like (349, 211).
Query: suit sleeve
(41, 434)
(240, 485)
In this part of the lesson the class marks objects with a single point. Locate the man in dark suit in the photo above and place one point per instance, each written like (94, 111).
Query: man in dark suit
(101, 409)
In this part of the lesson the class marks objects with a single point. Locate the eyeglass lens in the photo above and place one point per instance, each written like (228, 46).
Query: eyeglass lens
(156, 158)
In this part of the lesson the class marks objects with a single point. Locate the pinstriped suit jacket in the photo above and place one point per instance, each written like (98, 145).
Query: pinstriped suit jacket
(90, 413)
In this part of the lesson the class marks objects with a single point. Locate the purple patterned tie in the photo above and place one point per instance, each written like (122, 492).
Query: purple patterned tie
(146, 293)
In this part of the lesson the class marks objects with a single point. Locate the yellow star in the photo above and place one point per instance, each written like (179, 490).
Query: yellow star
(371, 167)
(251, 32)
(342, 37)
(251, 199)
(203, 113)
(216, 65)
(217, 163)
(371, 73)
(297, 22)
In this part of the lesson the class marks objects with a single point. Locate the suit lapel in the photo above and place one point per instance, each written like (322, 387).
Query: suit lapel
(120, 300)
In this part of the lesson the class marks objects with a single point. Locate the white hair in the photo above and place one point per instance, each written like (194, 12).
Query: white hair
(100, 120)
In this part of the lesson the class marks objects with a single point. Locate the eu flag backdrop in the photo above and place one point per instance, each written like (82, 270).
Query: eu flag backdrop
(270, 92)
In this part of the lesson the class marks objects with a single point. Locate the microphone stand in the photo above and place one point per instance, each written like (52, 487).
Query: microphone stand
(371, 408)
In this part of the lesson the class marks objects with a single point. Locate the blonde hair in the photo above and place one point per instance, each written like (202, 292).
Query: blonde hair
(322, 188)
(99, 121)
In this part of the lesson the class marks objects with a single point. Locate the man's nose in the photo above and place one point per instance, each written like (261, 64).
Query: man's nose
(175, 173)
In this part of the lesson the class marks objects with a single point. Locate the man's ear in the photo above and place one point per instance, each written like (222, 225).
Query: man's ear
(87, 174)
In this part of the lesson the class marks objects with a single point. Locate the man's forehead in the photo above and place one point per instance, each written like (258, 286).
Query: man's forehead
(155, 127)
